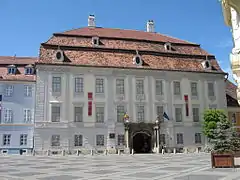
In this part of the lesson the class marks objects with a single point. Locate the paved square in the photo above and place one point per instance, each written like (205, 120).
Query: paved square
(113, 167)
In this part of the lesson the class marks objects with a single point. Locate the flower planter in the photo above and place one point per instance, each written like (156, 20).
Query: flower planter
(225, 160)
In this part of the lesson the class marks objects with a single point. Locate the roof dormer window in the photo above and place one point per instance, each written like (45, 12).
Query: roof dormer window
(95, 41)
(12, 69)
(29, 70)
(168, 46)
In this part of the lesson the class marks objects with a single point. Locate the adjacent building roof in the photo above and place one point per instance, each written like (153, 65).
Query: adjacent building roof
(20, 63)
(231, 94)
(118, 47)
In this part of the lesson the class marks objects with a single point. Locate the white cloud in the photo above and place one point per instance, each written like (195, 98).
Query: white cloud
(225, 43)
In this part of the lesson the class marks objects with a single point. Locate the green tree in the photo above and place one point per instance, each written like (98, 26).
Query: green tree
(211, 118)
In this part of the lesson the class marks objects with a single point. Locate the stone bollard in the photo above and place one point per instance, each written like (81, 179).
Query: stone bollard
(105, 152)
(91, 152)
(78, 152)
(63, 152)
(119, 152)
(132, 152)
(174, 151)
(163, 151)
(197, 150)
(48, 152)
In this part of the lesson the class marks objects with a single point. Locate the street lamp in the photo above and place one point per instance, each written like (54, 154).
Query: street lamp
(126, 125)
(157, 129)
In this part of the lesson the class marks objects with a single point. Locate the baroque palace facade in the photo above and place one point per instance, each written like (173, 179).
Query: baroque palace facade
(101, 88)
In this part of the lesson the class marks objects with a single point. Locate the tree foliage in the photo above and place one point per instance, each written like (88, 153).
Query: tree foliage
(220, 132)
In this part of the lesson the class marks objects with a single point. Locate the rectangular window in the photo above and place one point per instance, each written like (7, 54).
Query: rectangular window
(140, 114)
(159, 87)
(194, 91)
(56, 84)
(120, 113)
(100, 140)
(6, 139)
(179, 138)
(23, 139)
(198, 139)
(27, 90)
(55, 113)
(178, 114)
(162, 139)
(79, 85)
(55, 141)
(177, 88)
(120, 86)
(211, 89)
(78, 139)
(8, 116)
(139, 86)
(27, 115)
(9, 90)
(159, 112)
(120, 139)
(195, 112)
(100, 114)
(100, 85)
(78, 114)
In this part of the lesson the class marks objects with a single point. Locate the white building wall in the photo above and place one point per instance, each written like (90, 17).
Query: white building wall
(66, 128)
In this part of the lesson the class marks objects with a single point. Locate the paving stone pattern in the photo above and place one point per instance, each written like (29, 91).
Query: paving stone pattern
(113, 167)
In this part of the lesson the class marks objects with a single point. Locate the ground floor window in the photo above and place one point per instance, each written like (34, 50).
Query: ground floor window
(55, 141)
(162, 139)
(120, 139)
(100, 140)
(179, 138)
(6, 139)
(78, 140)
(198, 139)
(23, 139)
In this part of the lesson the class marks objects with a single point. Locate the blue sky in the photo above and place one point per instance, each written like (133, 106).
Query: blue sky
(24, 24)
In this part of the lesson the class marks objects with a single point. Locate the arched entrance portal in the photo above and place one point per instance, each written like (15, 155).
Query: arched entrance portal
(142, 142)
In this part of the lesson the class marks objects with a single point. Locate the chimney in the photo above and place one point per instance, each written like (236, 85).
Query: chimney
(150, 26)
(91, 21)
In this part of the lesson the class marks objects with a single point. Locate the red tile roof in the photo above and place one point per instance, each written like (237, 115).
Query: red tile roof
(118, 47)
(20, 63)
(123, 34)
(231, 94)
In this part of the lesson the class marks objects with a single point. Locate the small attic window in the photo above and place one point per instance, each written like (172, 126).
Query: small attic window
(29, 70)
(168, 46)
(95, 41)
(12, 69)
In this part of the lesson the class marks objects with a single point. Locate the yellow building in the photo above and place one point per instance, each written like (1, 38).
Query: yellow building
(232, 104)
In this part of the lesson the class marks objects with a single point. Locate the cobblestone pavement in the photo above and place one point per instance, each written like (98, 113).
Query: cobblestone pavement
(113, 167)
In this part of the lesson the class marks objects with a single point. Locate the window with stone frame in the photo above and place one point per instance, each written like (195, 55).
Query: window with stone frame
(8, 116)
(177, 88)
(162, 139)
(55, 140)
(120, 87)
(78, 140)
(178, 114)
(140, 113)
(9, 90)
(139, 86)
(28, 90)
(100, 114)
(179, 138)
(121, 140)
(78, 114)
(211, 92)
(56, 113)
(120, 113)
(27, 116)
(196, 114)
(159, 87)
(23, 139)
(194, 89)
(79, 85)
(6, 139)
(99, 85)
(100, 140)
(198, 139)
(56, 85)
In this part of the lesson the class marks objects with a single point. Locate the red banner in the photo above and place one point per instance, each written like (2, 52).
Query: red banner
(186, 104)
(89, 108)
